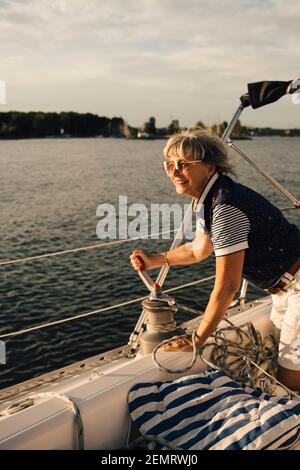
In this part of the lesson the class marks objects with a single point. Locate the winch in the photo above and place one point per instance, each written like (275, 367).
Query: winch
(160, 325)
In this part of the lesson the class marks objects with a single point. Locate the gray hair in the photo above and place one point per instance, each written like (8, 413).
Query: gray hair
(199, 145)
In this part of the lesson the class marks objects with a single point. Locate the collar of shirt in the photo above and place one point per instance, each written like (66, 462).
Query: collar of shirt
(206, 190)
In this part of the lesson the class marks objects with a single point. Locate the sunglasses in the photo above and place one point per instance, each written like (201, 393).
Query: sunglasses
(179, 165)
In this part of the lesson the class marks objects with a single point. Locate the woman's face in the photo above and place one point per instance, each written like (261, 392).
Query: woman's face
(192, 177)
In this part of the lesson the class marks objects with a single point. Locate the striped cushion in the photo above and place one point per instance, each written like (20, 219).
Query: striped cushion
(211, 411)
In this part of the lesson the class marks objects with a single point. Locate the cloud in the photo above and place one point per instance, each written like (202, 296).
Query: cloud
(111, 54)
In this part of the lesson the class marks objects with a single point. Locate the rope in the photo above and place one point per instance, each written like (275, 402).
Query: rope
(69, 402)
(229, 355)
(188, 284)
(165, 328)
(238, 369)
(273, 379)
(175, 371)
(65, 320)
(94, 312)
(141, 442)
(99, 245)
(289, 208)
(84, 248)
(190, 310)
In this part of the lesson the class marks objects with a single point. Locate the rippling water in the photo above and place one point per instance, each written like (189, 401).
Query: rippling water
(50, 190)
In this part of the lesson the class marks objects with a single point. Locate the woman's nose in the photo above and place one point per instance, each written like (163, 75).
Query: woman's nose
(176, 171)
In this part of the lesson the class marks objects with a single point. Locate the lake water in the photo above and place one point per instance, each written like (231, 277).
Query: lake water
(50, 190)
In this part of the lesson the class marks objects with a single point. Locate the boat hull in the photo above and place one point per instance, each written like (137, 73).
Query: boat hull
(101, 395)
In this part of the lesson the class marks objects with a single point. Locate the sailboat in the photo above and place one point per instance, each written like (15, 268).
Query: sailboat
(103, 402)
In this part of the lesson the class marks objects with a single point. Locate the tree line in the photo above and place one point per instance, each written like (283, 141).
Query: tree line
(19, 125)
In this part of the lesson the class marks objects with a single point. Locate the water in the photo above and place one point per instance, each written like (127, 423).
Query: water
(50, 190)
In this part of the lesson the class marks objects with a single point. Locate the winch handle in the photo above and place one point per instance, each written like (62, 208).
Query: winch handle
(151, 285)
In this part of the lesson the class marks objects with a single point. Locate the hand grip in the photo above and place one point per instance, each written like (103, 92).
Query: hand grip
(143, 264)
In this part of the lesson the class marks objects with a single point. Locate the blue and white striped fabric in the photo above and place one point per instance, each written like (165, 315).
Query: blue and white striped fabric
(230, 228)
(212, 412)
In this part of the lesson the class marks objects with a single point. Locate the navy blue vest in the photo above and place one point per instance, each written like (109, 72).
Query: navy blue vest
(274, 243)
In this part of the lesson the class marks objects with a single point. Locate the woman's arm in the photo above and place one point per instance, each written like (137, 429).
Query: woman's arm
(227, 282)
(189, 253)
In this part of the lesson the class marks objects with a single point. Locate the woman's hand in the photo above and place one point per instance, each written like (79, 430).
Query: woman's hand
(141, 260)
(184, 344)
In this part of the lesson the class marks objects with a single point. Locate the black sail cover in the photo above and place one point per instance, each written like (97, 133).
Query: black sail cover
(262, 93)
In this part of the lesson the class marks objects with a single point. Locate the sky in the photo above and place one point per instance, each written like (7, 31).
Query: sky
(189, 60)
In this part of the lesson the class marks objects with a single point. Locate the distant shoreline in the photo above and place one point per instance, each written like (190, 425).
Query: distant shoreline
(6, 139)
(52, 125)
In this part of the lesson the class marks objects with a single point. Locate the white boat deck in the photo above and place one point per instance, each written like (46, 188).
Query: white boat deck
(100, 392)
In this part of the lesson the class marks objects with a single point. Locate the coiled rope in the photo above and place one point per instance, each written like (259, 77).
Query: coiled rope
(241, 359)
(167, 341)
(234, 355)
(230, 355)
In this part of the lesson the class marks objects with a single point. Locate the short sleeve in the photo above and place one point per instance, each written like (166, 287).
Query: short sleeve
(230, 228)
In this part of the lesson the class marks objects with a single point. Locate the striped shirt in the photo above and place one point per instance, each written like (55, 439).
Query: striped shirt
(237, 218)
(230, 229)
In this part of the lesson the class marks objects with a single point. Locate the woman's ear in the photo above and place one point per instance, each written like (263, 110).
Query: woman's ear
(211, 169)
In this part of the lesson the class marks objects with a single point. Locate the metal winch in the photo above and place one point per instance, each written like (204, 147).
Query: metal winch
(160, 322)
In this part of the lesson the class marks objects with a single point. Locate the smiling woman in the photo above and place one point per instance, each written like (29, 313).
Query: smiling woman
(192, 159)
(197, 147)
(234, 228)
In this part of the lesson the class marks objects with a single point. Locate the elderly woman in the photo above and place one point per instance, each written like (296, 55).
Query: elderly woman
(248, 235)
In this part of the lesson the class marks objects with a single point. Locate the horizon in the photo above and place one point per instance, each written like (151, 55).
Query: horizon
(140, 126)
(140, 59)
